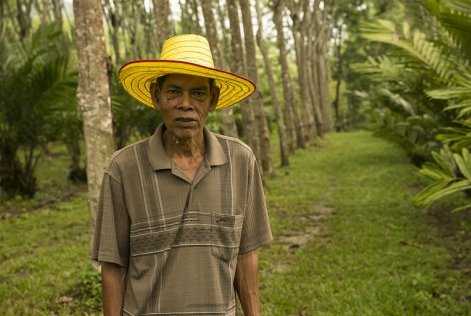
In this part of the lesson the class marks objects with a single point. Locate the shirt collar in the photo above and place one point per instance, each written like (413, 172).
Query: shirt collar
(159, 160)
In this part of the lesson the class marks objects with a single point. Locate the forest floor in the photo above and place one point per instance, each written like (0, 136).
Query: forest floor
(347, 240)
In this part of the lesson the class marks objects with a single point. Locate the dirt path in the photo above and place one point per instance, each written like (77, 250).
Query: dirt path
(53, 196)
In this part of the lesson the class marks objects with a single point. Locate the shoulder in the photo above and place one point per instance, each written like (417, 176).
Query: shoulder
(234, 145)
(127, 155)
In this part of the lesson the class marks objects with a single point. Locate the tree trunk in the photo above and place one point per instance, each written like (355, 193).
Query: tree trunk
(163, 21)
(315, 91)
(284, 148)
(250, 132)
(338, 123)
(93, 97)
(324, 84)
(324, 34)
(58, 13)
(228, 122)
(23, 16)
(42, 9)
(113, 19)
(227, 52)
(311, 24)
(2, 10)
(294, 127)
(150, 34)
(257, 100)
(185, 23)
(136, 6)
(9, 13)
(196, 29)
(298, 30)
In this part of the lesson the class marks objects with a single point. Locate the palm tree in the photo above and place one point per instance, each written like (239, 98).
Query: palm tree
(37, 89)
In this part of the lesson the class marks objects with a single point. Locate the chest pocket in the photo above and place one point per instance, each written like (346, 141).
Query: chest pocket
(226, 231)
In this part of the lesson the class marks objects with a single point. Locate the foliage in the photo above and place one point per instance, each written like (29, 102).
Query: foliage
(354, 112)
(431, 69)
(401, 82)
(459, 137)
(72, 137)
(131, 119)
(89, 289)
(36, 90)
(451, 173)
(411, 133)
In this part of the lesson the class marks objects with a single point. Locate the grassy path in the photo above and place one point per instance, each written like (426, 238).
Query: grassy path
(374, 255)
(347, 242)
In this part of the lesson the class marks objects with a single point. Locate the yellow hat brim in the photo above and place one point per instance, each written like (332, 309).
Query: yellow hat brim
(137, 76)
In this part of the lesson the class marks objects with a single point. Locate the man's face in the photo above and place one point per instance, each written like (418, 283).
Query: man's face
(184, 102)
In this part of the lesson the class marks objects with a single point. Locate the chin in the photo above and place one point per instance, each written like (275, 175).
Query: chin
(185, 136)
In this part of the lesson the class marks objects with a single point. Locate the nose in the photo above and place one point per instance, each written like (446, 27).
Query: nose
(185, 101)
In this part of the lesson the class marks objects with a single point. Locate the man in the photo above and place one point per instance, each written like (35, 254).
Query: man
(181, 213)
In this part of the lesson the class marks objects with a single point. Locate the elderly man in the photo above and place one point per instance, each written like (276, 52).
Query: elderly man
(182, 213)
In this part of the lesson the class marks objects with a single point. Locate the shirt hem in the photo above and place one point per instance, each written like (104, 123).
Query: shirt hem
(255, 246)
(105, 258)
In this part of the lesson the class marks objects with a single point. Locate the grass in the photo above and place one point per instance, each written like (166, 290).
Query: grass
(368, 250)
(43, 257)
(374, 256)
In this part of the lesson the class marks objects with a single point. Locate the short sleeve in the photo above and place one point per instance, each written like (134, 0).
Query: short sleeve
(256, 228)
(111, 237)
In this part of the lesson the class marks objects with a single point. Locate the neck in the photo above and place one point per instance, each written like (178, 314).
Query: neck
(184, 148)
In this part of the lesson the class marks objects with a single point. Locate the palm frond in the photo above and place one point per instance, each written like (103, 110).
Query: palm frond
(451, 174)
(459, 5)
(414, 134)
(426, 54)
(453, 18)
(457, 137)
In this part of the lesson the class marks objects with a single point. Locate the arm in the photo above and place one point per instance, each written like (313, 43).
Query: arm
(113, 286)
(246, 283)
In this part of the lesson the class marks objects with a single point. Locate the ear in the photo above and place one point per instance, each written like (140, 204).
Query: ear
(155, 95)
(214, 98)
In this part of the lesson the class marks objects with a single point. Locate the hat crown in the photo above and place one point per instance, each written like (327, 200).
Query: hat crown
(188, 48)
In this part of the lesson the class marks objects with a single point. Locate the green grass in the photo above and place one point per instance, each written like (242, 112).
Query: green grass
(44, 256)
(373, 255)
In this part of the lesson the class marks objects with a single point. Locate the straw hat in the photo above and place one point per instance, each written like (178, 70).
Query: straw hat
(183, 54)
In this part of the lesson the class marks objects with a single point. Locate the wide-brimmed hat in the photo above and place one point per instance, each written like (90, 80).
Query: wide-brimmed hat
(184, 54)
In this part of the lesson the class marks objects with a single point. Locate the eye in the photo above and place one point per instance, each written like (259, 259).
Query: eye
(172, 93)
(199, 94)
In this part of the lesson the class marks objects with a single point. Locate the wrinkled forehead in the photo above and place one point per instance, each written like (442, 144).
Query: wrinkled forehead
(184, 79)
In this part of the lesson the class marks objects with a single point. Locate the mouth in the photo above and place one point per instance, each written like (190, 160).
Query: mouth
(185, 121)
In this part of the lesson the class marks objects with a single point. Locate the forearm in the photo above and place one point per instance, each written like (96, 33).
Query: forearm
(246, 283)
(113, 286)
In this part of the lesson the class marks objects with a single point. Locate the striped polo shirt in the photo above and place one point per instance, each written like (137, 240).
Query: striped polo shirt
(179, 239)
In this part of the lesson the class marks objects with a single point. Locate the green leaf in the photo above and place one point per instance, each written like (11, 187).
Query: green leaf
(460, 5)
(465, 169)
(433, 172)
(423, 197)
(461, 208)
(438, 159)
(464, 111)
(406, 30)
(454, 188)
